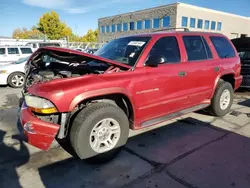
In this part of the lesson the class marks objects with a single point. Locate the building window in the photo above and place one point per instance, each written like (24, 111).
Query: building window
(139, 25)
(207, 24)
(147, 24)
(132, 26)
(156, 22)
(103, 29)
(166, 21)
(125, 26)
(113, 28)
(184, 21)
(213, 25)
(200, 23)
(219, 24)
(192, 22)
(119, 27)
(107, 29)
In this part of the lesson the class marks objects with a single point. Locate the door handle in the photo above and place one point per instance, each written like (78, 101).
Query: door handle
(216, 69)
(182, 73)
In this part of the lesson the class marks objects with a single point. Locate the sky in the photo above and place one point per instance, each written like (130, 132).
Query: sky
(82, 15)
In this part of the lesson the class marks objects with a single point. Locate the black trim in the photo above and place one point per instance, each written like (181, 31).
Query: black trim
(173, 115)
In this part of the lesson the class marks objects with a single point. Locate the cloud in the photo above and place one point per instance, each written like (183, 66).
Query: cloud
(69, 7)
(48, 4)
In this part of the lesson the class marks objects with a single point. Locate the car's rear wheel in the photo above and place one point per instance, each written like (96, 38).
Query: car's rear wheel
(99, 131)
(16, 80)
(222, 100)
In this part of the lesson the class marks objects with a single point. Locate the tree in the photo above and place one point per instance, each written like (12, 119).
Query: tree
(91, 36)
(24, 33)
(51, 25)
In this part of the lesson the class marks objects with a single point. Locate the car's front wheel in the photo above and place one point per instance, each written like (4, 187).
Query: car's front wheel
(99, 131)
(16, 80)
(222, 100)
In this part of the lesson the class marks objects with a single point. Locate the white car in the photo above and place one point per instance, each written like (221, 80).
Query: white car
(13, 53)
(13, 73)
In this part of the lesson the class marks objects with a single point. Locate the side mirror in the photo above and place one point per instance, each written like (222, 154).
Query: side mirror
(151, 62)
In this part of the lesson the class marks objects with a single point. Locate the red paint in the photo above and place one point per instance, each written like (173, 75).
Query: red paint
(153, 92)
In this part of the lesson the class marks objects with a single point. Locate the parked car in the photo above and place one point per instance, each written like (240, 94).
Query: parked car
(13, 73)
(13, 53)
(243, 47)
(88, 103)
(37, 45)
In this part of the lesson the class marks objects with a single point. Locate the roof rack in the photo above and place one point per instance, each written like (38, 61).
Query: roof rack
(172, 28)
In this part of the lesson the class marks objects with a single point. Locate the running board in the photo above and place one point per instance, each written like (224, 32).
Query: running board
(173, 115)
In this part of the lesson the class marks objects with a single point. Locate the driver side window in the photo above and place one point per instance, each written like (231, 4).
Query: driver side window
(166, 50)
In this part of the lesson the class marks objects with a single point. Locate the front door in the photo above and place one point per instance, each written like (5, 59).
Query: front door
(161, 90)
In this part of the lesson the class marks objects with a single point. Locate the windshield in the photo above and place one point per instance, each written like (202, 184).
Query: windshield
(21, 60)
(125, 50)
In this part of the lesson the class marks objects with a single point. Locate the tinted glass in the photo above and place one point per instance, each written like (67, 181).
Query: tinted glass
(166, 21)
(125, 26)
(184, 21)
(207, 24)
(209, 53)
(26, 50)
(219, 24)
(192, 22)
(194, 48)
(119, 27)
(103, 29)
(213, 25)
(107, 29)
(223, 47)
(147, 24)
(156, 22)
(113, 28)
(139, 25)
(132, 25)
(2, 51)
(13, 51)
(125, 50)
(200, 23)
(166, 48)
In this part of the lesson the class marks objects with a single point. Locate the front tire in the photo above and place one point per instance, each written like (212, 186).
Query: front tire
(222, 100)
(99, 131)
(16, 80)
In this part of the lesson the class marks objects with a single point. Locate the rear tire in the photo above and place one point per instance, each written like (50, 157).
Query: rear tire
(222, 100)
(16, 80)
(98, 132)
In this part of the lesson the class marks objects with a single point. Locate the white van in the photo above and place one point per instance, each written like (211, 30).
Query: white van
(13, 53)
(36, 45)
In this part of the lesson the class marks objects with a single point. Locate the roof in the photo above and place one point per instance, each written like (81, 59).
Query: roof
(14, 46)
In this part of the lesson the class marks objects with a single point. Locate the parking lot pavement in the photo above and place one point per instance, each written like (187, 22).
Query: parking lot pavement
(196, 150)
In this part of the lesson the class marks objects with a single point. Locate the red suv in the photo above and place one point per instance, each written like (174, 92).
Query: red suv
(90, 102)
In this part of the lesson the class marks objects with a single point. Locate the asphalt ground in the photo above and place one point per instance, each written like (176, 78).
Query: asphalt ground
(196, 150)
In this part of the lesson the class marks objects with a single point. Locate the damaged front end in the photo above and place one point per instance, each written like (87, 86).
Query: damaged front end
(41, 121)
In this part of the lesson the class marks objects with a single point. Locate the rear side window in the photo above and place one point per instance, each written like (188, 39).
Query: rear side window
(13, 51)
(223, 47)
(167, 47)
(195, 48)
(2, 51)
(26, 50)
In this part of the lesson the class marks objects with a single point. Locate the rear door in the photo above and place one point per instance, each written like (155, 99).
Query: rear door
(25, 51)
(13, 54)
(202, 70)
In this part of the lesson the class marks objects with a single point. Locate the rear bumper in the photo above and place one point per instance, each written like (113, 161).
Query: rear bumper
(37, 132)
(238, 81)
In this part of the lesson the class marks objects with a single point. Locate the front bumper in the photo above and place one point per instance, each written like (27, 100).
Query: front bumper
(37, 132)
(3, 79)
